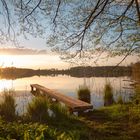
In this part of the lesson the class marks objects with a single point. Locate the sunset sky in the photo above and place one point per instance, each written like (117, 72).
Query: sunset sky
(33, 58)
(35, 52)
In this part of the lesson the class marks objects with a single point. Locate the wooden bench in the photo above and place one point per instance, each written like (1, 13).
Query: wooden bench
(74, 105)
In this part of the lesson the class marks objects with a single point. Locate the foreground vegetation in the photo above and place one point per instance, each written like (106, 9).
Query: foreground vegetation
(43, 120)
(116, 122)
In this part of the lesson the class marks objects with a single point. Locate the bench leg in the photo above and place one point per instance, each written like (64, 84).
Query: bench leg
(79, 113)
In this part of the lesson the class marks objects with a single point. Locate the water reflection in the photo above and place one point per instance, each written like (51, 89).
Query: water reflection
(69, 85)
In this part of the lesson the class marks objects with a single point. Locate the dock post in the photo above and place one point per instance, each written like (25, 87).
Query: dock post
(32, 88)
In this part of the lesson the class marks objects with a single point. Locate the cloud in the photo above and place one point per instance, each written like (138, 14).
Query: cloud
(21, 51)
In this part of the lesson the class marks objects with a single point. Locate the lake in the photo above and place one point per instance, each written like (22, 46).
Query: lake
(68, 85)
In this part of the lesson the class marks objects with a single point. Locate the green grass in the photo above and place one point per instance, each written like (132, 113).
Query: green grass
(37, 109)
(36, 131)
(108, 123)
(118, 121)
(8, 106)
(42, 109)
(115, 122)
(60, 112)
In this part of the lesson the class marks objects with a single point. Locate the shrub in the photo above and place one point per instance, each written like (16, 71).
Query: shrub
(8, 106)
(37, 110)
(108, 95)
(33, 131)
(84, 94)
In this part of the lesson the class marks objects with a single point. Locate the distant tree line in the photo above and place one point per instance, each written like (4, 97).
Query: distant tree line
(102, 71)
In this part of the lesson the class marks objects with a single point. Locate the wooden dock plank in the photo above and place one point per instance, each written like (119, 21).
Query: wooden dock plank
(74, 104)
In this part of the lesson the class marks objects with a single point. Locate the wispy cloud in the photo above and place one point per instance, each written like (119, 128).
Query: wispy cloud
(21, 51)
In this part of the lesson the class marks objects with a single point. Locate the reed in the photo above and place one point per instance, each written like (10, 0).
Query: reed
(37, 109)
(108, 95)
(60, 112)
(84, 93)
(8, 106)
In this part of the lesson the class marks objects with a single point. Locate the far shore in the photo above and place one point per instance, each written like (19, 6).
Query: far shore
(100, 71)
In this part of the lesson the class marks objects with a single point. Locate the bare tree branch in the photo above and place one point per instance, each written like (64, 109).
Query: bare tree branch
(56, 13)
(131, 49)
(28, 2)
(138, 9)
(33, 10)
(110, 23)
(7, 14)
(125, 11)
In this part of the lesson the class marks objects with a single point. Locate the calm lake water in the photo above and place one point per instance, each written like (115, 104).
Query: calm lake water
(67, 85)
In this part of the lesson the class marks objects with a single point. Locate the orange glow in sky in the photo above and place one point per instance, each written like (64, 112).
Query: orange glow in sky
(32, 61)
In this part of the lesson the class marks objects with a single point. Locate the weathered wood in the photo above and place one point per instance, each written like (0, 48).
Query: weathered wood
(74, 104)
(128, 87)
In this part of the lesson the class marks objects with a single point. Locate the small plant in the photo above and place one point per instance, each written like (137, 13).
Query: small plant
(37, 131)
(84, 94)
(8, 106)
(37, 110)
(108, 95)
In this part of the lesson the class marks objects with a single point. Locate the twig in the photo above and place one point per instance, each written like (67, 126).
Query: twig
(33, 10)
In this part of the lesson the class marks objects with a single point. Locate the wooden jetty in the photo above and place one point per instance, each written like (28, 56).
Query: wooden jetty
(74, 105)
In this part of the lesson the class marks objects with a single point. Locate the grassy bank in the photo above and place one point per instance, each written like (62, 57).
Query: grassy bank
(118, 121)
(109, 123)
(38, 131)
(115, 122)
